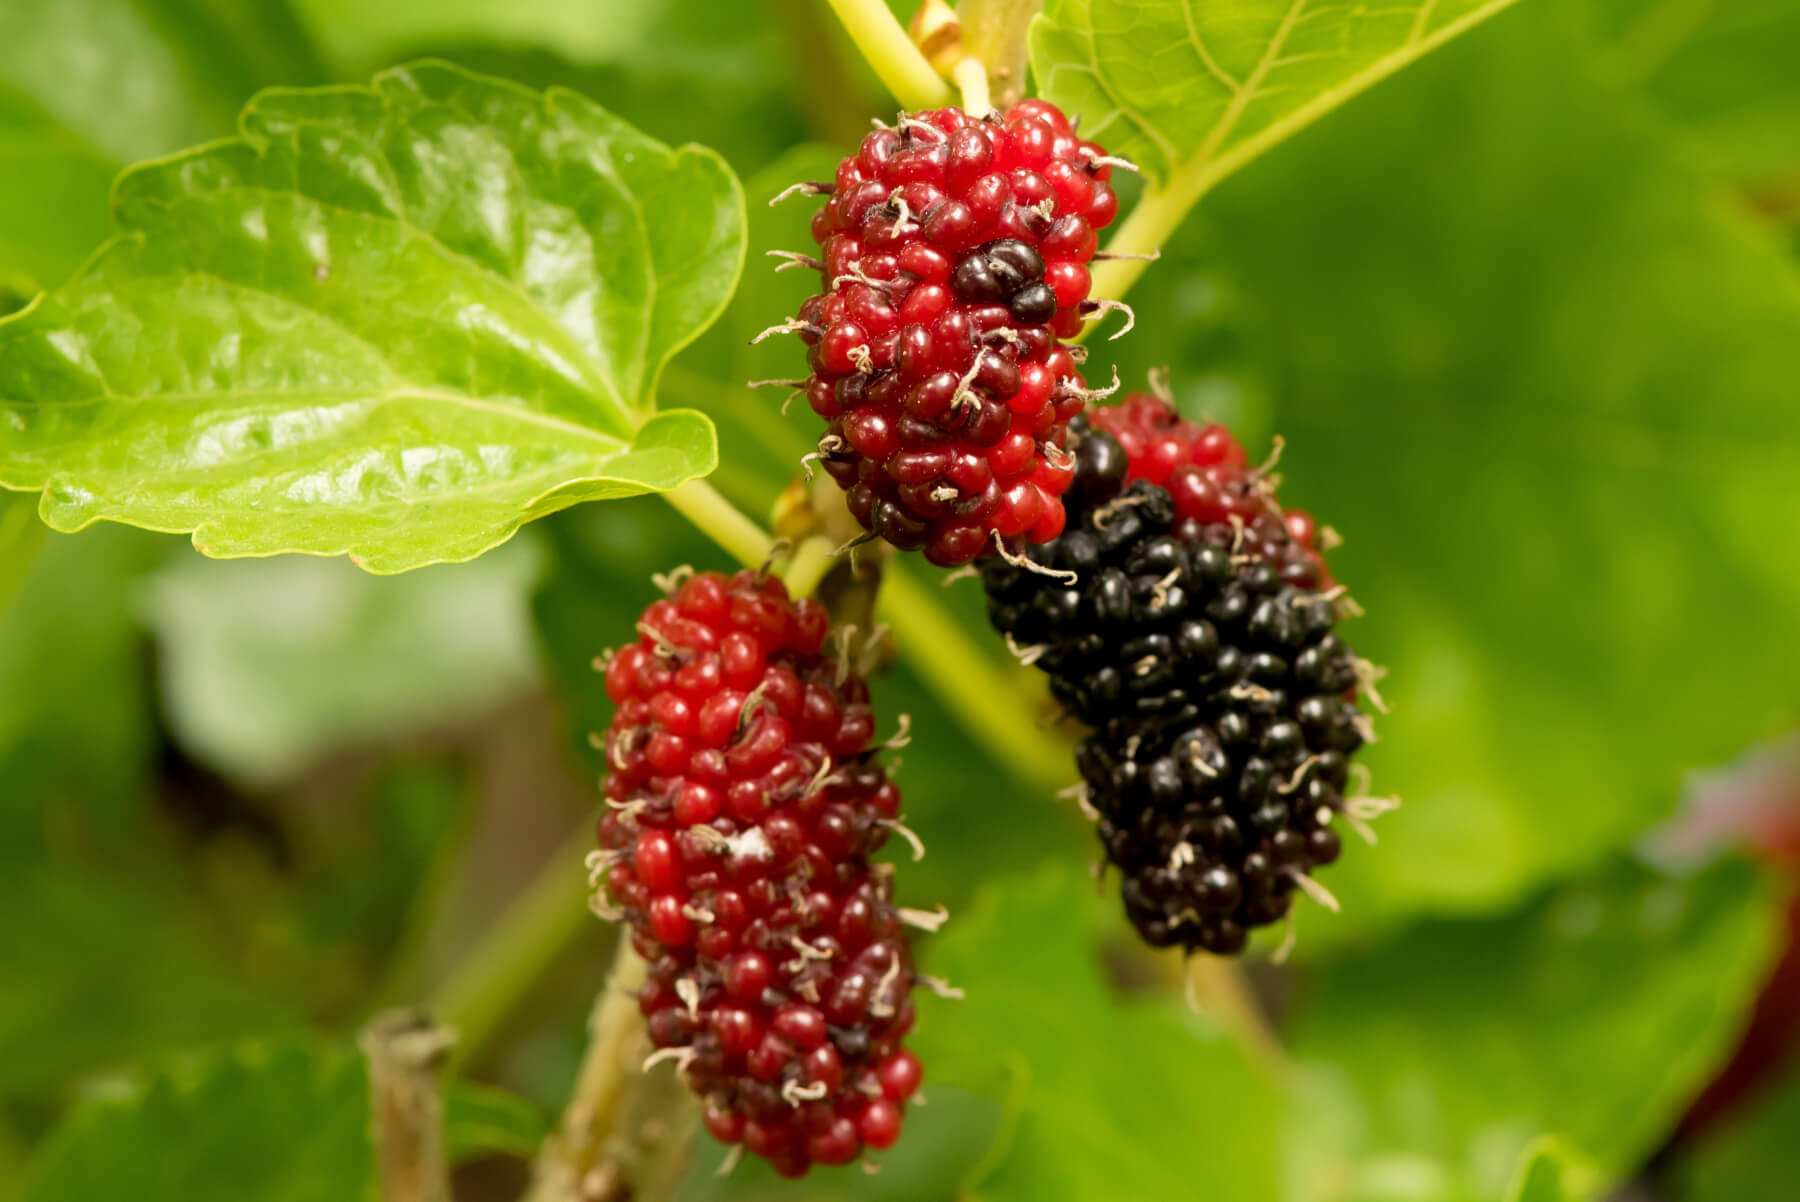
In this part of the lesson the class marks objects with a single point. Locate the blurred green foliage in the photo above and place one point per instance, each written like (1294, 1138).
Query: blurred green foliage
(1528, 317)
(1752, 1158)
(298, 1131)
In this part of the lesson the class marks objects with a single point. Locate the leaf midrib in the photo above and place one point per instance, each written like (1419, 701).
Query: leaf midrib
(1203, 169)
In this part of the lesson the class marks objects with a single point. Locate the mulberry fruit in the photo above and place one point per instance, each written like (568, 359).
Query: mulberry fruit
(1197, 640)
(953, 253)
(744, 802)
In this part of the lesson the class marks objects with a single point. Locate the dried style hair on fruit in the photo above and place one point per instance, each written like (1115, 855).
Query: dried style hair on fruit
(744, 802)
(953, 255)
(1198, 643)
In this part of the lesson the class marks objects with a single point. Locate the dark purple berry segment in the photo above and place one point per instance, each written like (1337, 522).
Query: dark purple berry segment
(1220, 698)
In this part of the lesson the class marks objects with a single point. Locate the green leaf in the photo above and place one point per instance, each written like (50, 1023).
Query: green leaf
(1549, 1170)
(1751, 1156)
(1594, 1014)
(1090, 1080)
(393, 321)
(288, 1120)
(359, 660)
(87, 86)
(1192, 91)
(1559, 450)
(714, 375)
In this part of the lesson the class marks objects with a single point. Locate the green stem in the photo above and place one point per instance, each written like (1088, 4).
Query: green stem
(519, 949)
(997, 32)
(883, 41)
(615, 1028)
(1217, 986)
(972, 79)
(811, 562)
(721, 521)
(968, 682)
(1159, 212)
(965, 678)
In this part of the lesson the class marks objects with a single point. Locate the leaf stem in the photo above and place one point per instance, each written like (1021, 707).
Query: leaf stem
(815, 557)
(614, 1025)
(972, 78)
(1158, 214)
(1218, 986)
(997, 32)
(519, 949)
(721, 521)
(962, 674)
(405, 1050)
(883, 41)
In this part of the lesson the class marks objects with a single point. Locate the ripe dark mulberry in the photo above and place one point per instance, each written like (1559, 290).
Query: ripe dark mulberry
(744, 802)
(1203, 655)
(954, 254)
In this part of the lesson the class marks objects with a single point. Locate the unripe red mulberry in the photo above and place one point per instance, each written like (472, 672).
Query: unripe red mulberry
(954, 253)
(744, 802)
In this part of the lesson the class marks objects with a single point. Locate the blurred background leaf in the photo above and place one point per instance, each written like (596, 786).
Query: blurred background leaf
(150, 976)
(1089, 1081)
(1753, 1158)
(362, 659)
(285, 1120)
(87, 86)
(1550, 1171)
(1720, 72)
(1432, 1063)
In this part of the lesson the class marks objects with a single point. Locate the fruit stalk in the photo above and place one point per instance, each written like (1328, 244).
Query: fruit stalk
(517, 950)
(1144, 232)
(406, 1050)
(624, 1129)
(996, 32)
(883, 41)
(721, 521)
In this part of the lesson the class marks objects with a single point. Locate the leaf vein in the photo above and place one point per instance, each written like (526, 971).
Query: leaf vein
(1213, 68)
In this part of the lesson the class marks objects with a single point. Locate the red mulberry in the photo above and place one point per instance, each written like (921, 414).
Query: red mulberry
(954, 253)
(744, 802)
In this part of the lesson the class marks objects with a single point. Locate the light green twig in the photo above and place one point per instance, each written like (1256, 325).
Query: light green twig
(884, 42)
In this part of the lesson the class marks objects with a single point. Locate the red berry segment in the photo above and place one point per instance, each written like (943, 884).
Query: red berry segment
(743, 805)
(955, 255)
(1211, 482)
